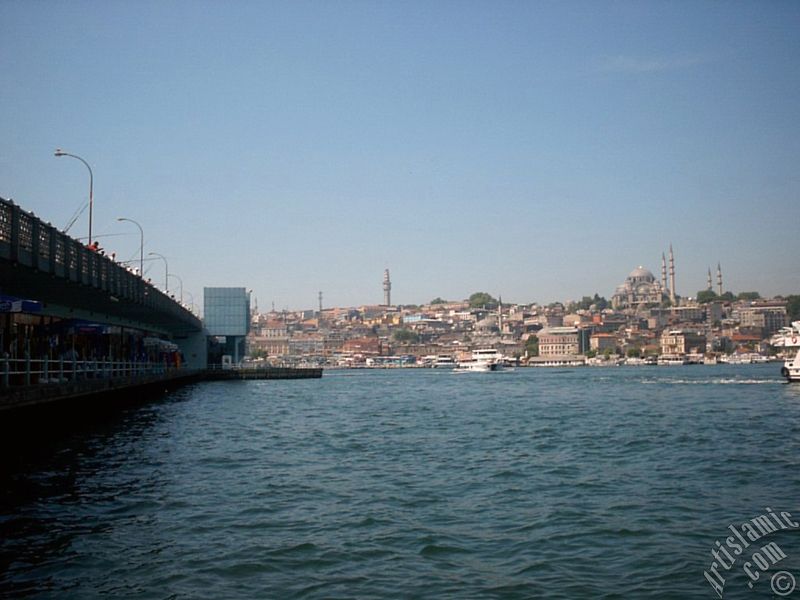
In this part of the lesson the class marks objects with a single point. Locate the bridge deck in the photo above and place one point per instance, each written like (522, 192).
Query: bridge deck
(39, 262)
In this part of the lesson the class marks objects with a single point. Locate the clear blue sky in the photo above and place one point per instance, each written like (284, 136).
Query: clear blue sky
(535, 150)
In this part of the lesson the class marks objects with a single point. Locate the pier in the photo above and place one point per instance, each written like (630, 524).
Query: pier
(263, 373)
(43, 383)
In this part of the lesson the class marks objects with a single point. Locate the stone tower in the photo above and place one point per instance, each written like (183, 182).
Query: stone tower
(387, 289)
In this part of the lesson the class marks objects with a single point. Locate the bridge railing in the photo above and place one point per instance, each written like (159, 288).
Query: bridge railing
(27, 240)
(16, 372)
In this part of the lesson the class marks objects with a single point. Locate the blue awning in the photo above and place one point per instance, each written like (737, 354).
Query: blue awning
(10, 304)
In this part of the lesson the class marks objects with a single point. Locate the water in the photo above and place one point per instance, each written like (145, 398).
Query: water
(539, 483)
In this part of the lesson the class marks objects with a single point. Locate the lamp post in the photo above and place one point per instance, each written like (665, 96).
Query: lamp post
(166, 269)
(180, 281)
(141, 243)
(60, 152)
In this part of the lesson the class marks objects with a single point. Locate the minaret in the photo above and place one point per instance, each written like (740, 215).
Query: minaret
(663, 273)
(719, 279)
(671, 276)
(387, 289)
(710, 286)
(320, 304)
(500, 314)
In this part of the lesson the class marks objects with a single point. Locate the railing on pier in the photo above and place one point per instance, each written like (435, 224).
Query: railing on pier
(27, 240)
(19, 372)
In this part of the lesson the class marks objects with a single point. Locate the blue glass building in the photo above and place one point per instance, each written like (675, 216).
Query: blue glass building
(227, 315)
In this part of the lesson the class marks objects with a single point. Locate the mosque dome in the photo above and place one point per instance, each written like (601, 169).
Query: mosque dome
(640, 289)
(488, 323)
(641, 274)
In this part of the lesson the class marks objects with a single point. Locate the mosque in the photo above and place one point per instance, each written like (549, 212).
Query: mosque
(641, 288)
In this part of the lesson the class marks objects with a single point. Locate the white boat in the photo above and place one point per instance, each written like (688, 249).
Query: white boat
(475, 366)
(444, 361)
(673, 359)
(491, 356)
(789, 337)
(482, 361)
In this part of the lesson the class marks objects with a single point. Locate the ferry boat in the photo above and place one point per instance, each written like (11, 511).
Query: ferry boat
(672, 359)
(482, 361)
(443, 361)
(789, 338)
(475, 366)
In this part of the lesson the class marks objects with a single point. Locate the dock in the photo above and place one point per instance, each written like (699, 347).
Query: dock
(263, 373)
(135, 382)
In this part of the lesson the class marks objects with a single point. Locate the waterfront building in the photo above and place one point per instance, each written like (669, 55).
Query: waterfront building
(370, 345)
(270, 337)
(562, 341)
(600, 342)
(307, 344)
(682, 341)
(226, 312)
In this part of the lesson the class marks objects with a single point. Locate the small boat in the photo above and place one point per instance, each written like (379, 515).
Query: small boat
(789, 337)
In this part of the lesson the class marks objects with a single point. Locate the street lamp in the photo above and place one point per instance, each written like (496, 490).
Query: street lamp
(141, 244)
(166, 269)
(180, 281)
(60, 152)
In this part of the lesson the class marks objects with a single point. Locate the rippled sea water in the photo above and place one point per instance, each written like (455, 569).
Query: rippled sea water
(536, 483)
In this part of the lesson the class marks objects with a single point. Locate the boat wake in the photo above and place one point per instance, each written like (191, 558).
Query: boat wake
(719, 381)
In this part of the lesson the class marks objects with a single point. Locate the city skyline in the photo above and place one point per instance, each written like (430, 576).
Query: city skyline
(534, 152)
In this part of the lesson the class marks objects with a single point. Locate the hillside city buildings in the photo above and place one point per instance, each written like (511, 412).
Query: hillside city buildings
(645, 318)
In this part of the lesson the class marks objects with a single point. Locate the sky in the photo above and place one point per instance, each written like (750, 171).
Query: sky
(538, 151)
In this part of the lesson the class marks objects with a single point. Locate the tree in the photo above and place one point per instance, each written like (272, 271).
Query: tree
(584, 304)
(438, 300)
(532, 346)
(405, 336)
(727, 297)
(587, 302)
(706, 296)
(748, 296)
(482, 299)
(600, 302)
(634, 352)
